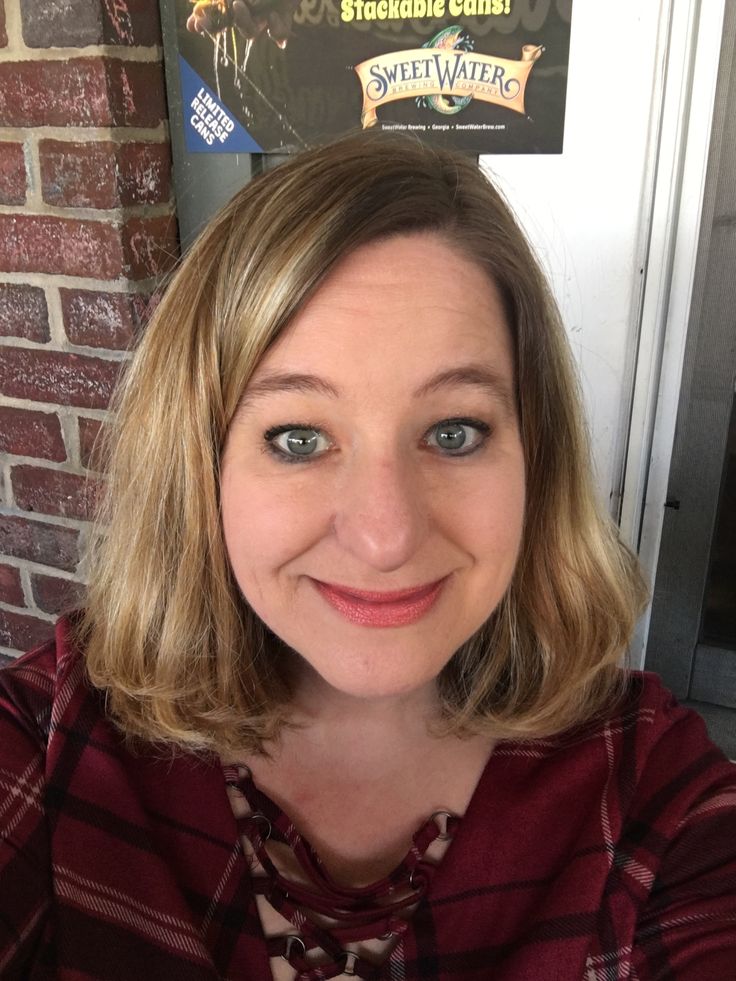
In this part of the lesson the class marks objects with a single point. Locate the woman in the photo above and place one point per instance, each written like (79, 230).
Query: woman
(345, 699)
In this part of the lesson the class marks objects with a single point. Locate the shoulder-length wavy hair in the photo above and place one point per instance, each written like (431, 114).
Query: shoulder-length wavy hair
(167, 634)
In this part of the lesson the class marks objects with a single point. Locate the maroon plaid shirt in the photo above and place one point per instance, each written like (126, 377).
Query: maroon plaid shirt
(602, 855)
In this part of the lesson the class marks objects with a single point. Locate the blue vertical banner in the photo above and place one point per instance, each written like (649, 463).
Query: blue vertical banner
(209, 127)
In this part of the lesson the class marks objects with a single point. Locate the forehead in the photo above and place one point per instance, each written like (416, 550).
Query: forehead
(395, 311)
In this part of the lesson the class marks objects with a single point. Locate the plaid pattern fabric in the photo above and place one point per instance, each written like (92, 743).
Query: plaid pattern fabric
(602, 855)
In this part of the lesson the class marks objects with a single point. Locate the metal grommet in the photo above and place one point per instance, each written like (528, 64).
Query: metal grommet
(444, 817)
(257, 816)
(292, 939)
(351, 959)
(412, 884)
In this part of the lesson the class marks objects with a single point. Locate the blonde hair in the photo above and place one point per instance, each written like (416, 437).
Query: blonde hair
(167, 634)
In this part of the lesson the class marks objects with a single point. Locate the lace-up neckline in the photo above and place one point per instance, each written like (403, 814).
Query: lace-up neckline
(328, 917)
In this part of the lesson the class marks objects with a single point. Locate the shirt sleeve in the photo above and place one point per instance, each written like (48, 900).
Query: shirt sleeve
(25, 865)
(685, 833)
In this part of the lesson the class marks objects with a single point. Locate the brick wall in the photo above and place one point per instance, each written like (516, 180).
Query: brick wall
(86, 229)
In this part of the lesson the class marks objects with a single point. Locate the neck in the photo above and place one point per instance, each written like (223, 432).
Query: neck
(342, 721)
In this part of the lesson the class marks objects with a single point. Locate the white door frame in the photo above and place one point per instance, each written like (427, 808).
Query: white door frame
(685, 119)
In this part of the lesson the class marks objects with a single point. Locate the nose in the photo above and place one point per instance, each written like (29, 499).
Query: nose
(381, 515)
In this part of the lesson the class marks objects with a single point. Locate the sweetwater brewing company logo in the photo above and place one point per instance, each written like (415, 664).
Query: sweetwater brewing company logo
(487, 76)
(448, 74)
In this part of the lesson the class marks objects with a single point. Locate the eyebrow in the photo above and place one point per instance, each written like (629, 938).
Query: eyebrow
(287, 382)
(473, 375)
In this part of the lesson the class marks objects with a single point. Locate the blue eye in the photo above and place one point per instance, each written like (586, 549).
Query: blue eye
(458, 437)
(296, 444)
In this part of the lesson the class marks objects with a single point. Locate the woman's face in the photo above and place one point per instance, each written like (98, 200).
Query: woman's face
(373, 477)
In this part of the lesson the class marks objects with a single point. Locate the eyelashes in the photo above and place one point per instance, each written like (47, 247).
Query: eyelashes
(303, 442)
(296, 442)
(457, 437)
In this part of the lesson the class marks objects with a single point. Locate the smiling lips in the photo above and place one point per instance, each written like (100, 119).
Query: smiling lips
(371, 609)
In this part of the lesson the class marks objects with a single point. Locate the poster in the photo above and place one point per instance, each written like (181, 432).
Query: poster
(274, 76)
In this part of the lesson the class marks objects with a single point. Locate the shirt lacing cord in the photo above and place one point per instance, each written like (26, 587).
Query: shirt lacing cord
(362, 913)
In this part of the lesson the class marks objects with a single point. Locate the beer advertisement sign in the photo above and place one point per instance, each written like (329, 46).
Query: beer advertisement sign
(274, 76)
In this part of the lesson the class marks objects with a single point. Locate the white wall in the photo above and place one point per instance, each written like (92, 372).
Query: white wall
(587, 210)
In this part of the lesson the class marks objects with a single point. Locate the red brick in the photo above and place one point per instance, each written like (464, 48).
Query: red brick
(24, 432)
(47, 491)
(39, 542)
(63, 246)
(23, 632)
(136, 92)
(11, 590)
(3, 32)
(54, 93)
(12, 173)
(109, 320)
(81, 92)
(144, 173)
(151, 246)
(90, 449)
(54, 376)
(78, 175)
(131, 22)
(54, 595)
(76, 23)
(70, 23)
(23, 312)
(105, 174)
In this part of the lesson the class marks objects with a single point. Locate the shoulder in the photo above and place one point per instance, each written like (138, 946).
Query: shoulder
(648, 761)
(678, 834)
(660, 760)
(32, 686)
(676, 851)
(32, 689)
(667, 821)
(666, 741)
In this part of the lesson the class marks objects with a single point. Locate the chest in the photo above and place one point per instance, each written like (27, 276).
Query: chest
(340, 917)
(361, 819)
(498, 873)
(360, 842)
(527, 860)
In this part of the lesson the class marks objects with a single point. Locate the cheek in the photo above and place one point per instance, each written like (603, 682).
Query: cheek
(492, 516)
(265, 523)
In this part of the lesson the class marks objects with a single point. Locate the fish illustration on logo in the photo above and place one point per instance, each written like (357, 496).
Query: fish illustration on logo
(455, 39)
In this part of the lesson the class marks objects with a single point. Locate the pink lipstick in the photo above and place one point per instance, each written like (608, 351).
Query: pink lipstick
(372, 609)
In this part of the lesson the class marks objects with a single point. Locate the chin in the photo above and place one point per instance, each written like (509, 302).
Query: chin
(369, 682)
